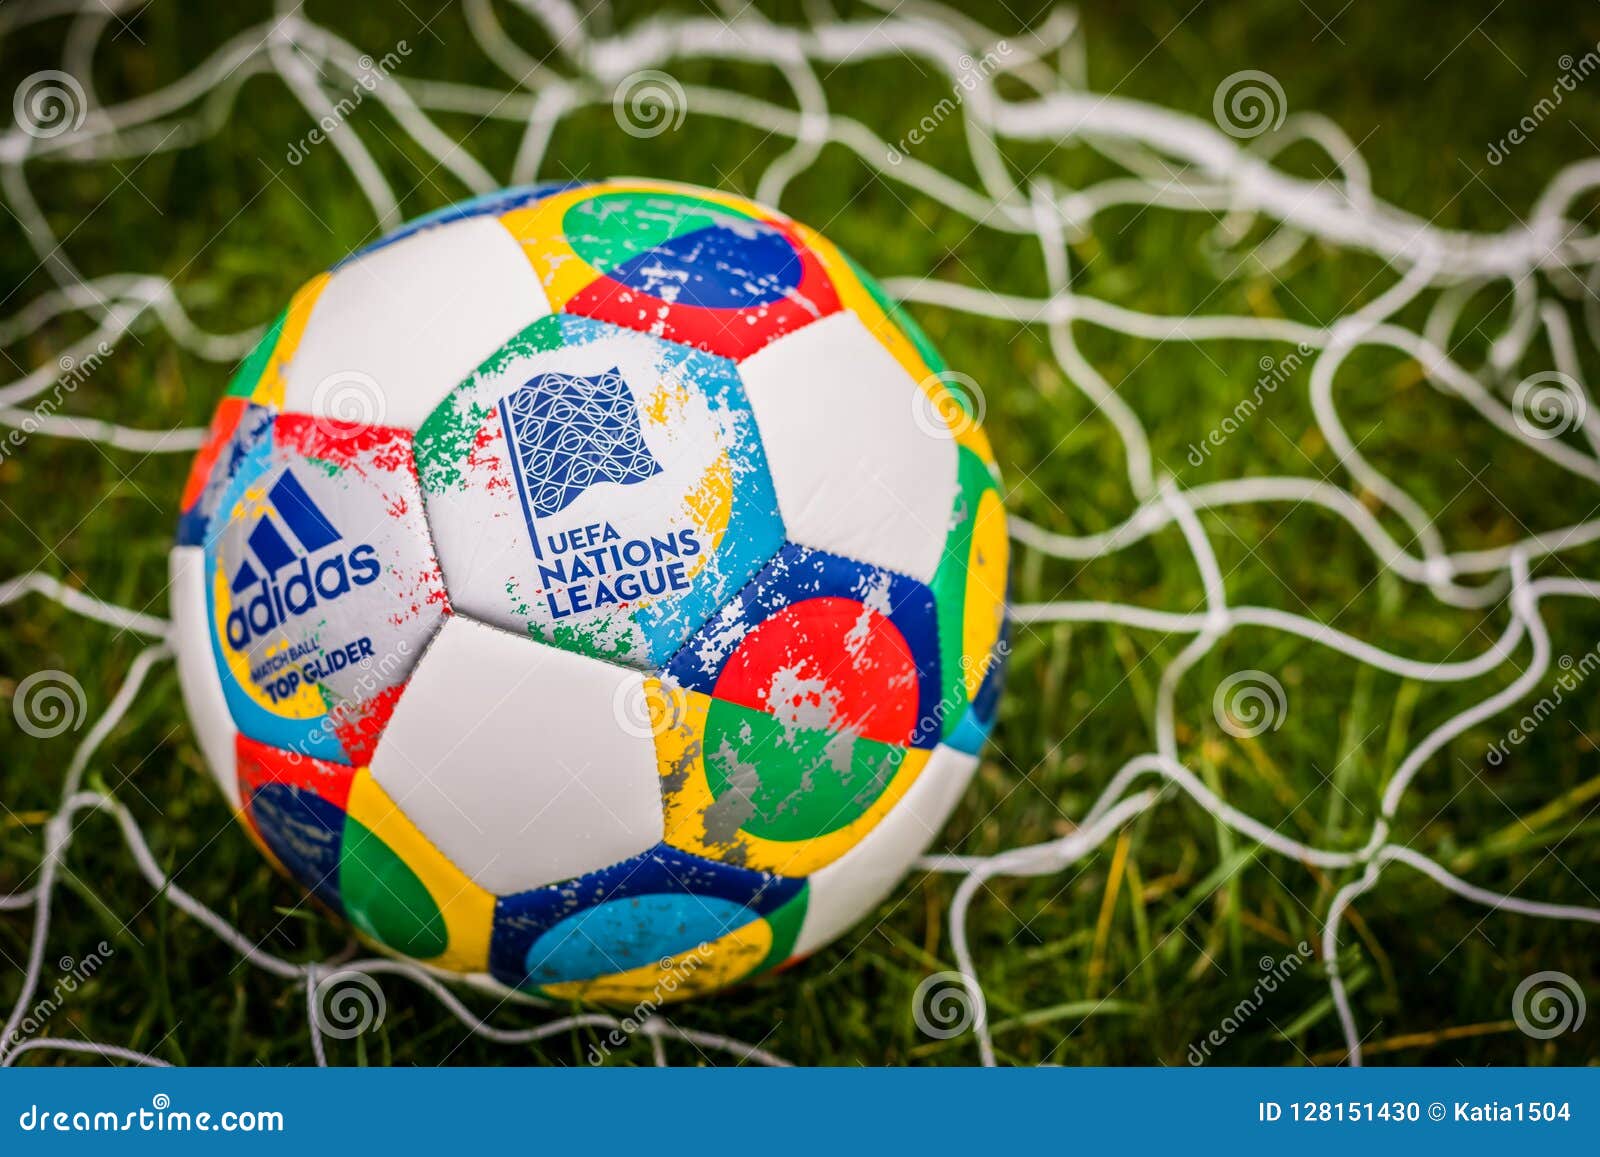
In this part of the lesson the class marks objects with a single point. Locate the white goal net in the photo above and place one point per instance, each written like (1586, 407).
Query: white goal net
(1010, 92)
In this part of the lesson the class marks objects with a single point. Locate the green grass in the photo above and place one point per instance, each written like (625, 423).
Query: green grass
(1142, 948)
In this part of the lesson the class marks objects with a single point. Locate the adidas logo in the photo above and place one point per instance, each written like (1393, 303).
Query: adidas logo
(306, 534)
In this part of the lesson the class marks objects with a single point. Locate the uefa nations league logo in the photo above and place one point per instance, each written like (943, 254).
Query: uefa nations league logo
(566, 433)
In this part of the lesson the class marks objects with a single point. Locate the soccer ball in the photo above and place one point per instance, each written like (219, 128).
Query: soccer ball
(597, 587)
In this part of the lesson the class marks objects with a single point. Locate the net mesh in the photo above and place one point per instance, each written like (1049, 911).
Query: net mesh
(1168, 161)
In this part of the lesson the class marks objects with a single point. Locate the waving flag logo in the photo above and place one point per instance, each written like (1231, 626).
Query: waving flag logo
(566, 433)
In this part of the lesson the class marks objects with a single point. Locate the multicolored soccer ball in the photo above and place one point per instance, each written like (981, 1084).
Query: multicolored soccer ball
(594, 587)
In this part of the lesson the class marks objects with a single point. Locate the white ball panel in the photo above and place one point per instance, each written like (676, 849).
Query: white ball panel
(197, 667)
(510, 756)
(858, 881)
(405, 323)
(855, 473)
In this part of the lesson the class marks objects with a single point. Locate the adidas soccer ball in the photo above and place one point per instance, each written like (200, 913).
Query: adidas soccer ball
(595, 587)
